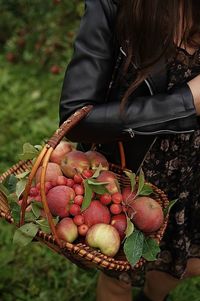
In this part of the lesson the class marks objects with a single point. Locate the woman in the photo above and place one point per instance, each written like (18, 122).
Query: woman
(153, 106)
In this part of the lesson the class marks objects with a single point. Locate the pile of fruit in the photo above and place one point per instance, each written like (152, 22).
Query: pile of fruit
(88, 204)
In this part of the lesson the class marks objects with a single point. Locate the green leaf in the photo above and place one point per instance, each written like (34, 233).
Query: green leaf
(133, 246)
(87, 195)
(38, 147)
(98, 189)
(44, 225)
(129, 227)
(15, 209)
(29, 216)
(20, 187)
(36, 208)
(12, 198)
(24, 235)
(10, 183)
(4, 190)
(141, 182)
(150, 249)
(94, 182)
(131, 176)
(97, 171)
(146, 190)
(29, 152)
(171, 204)
(23, 175)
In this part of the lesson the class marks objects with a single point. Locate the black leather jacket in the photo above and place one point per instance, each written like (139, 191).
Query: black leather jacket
(151, 109)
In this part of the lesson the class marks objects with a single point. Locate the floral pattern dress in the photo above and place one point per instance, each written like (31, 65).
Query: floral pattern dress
(173, 164)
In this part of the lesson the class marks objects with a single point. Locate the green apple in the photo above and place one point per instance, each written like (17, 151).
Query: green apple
(104, 237)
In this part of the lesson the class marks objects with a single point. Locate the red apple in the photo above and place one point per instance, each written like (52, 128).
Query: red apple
(104, 237)
(67, 230)
(59, 199)
(146, 214)
(110, 177)
(127, 194)
(120, 223)
(60, 151)
(11, 57)
(55, 69)
(95, 159)
(74, 162)
(96, 213)
(52, 173)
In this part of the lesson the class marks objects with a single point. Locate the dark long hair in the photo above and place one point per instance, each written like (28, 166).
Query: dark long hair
(150, 29)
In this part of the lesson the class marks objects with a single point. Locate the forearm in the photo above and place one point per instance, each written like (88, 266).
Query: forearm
(148, 115)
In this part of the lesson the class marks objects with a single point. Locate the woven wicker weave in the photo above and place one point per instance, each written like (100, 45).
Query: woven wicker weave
(79, 253)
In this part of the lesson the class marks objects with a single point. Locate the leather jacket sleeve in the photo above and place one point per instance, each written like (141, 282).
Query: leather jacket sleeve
(87, 79)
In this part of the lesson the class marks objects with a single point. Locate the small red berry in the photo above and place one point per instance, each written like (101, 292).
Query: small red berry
(78, 189)
(61, 180)
(34, 191)
(82, 229)
(37, 198)
(74, 209)
(87, 173)
(78, 179)
(54, 183)
(78, 200)
(48, 186)
(105, 198)
(78, 219)
(115, 208)
(117, 198)
(70, 182)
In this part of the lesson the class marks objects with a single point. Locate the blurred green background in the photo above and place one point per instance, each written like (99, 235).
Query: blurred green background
(36, 39)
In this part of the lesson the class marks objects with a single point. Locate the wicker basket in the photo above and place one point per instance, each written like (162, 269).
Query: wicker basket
(79, 253)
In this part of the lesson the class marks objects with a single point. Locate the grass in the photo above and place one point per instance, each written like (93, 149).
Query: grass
(29, 113)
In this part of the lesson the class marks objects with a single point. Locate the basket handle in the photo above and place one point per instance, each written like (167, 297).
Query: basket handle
(68, 124)
(44, 159)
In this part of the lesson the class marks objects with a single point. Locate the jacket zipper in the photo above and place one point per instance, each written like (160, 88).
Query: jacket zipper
(132, 132)
(149, 87)
(151, 92)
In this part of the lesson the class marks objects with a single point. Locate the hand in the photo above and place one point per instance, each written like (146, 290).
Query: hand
(194, 85)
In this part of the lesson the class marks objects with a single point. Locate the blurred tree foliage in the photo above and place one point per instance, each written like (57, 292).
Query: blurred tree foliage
(38, 32)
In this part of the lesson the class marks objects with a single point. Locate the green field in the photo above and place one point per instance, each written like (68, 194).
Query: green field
(29, 100)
